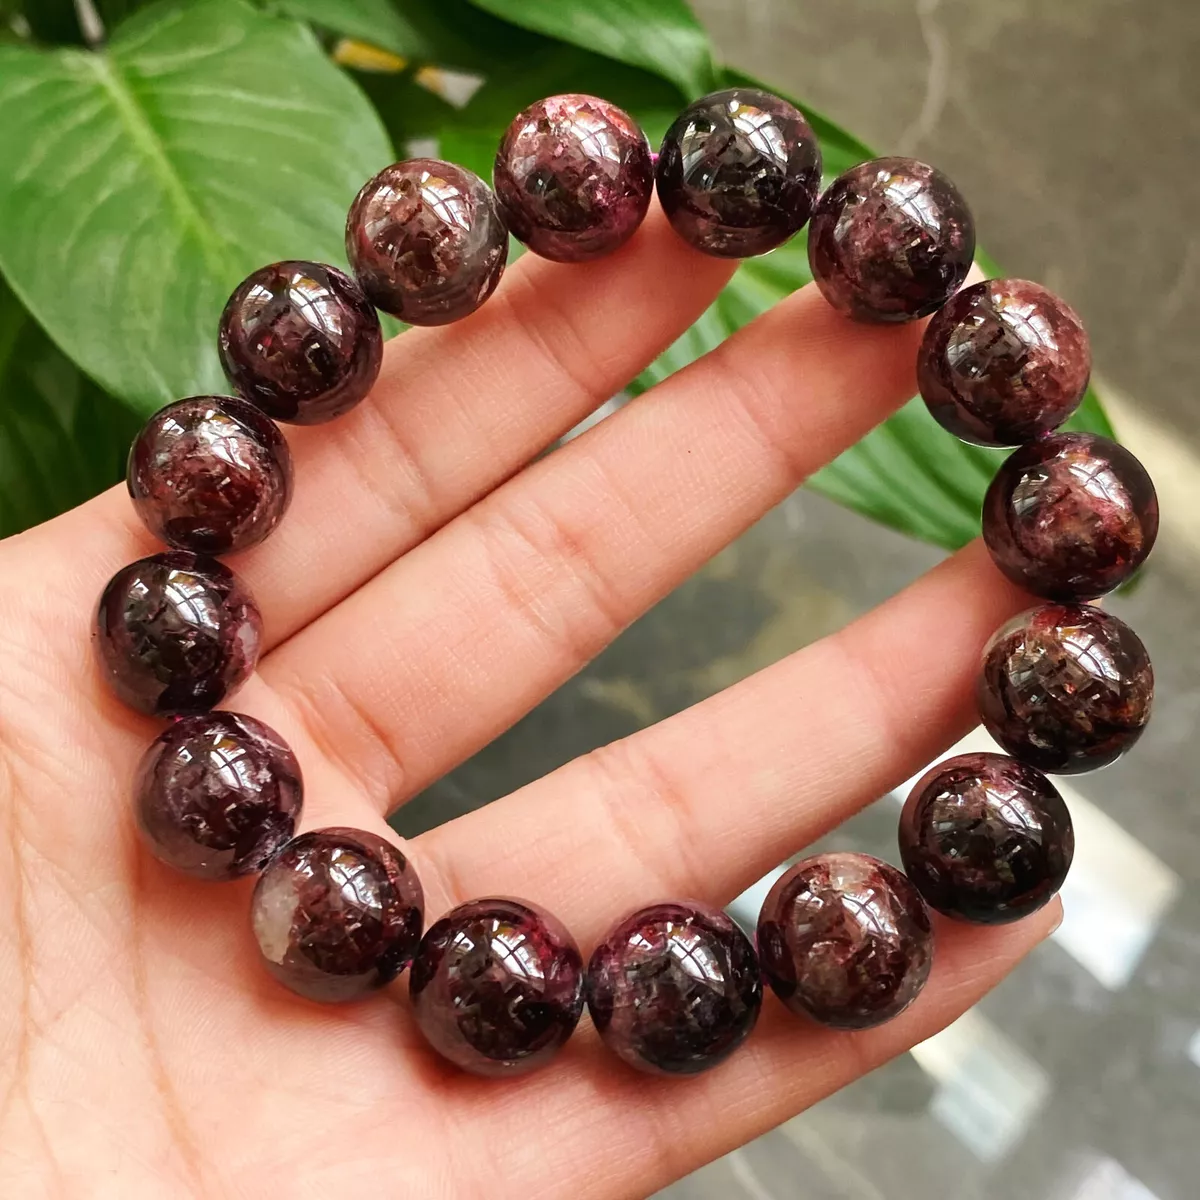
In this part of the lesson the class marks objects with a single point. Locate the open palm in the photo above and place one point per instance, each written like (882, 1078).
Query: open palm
(429, 586)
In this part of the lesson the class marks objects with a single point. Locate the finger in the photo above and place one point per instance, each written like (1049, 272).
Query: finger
(641, 1133)
(708, 801)
(456, 410)
(453, 642)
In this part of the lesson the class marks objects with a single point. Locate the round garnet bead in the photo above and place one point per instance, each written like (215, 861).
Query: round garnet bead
(210, 474)
(300, 340)
(1004, 362)
(891, 240)
(1065, 688)
(845, 939)
(738, 172)
(574, 176)
(176, 633)
(497, 986)
(337, 913)
(985, 838)
(674, 988)
(1070, 516)
(427, 241)
(217, 794)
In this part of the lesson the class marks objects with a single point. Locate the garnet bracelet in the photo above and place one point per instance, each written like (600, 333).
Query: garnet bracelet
(498, 984)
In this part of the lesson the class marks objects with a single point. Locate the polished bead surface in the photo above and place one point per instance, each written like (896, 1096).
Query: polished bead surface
(497, 986)
(210, 474)
(1070, 516)
(1004, 362)
(176, 633)
(300, 340)
(427, 241)
(845, 939)
(217, 794)
(674, 988)
(738, 172)
(891, 240)
(573, 176)
(1065, 688)
(337, 913)
(985, 838)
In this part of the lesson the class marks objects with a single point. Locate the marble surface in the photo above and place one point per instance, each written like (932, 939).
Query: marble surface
(1079, 1077)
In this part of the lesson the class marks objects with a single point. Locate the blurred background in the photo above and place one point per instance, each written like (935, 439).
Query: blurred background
(1067, 125)
(1073, 129)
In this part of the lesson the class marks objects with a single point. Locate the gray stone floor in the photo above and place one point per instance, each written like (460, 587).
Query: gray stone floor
(1073, 126)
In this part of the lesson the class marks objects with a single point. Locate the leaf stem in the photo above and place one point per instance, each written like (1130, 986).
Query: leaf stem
(90, 24)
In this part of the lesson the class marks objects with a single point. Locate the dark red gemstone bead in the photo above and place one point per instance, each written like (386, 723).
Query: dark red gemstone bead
(674, 988)
(574, 178)
(427, 241)
(1065, 688)
(1071, 516)
(845, 939)
(210, 474)
(300, 340)
(890, 240)
(1004, 362)
(337, 913)
(176, 633)
(738, 172)
(217, 794)
(497, 986)
(985, 838)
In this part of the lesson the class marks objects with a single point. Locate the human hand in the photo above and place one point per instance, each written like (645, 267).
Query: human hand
(430, 585)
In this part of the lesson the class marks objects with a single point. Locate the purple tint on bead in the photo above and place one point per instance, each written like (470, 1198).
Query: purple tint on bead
(301, 341)
(573, 176)
(337, 913)
(890, 240)
(674, 988)
(985, 838)
(176, 633)
(738, 172)
(210, 474)
(217, 794)
(1070, 517)
(845, 939)
(427, 241)
(1065, 688)
(497, 986)
(1003, 363)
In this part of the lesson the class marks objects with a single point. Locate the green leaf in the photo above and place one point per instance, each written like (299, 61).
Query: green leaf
(908, 473)
(141, 184)
(378, 22)
(62, 439)
(661, 35)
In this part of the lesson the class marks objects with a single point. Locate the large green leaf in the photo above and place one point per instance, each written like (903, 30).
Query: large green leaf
(908, 473)
(62, 439)
(660, 35)
(142, 183)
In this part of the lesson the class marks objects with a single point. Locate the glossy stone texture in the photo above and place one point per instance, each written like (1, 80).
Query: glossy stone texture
(1004, 362)
(1065, 688)
(176, 633)
(427, 241)
(1071, 516)
(890, 240)
(337, 914)
(845, 939)
(210, 474)
(497, 986)
(738, 172)
(674, 988)
(985, 838)
(573, 177)
(300, 340)
(217, 794)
